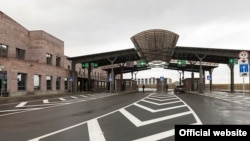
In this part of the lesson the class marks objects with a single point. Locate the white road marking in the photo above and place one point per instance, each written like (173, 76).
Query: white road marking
(95, 132)
(83, 96)
(62, 99)
(139, 123)
(22, 104)
(56, 132)
(18, 111)
(165, 97)
(96, 128)
(194, 114)
(162, 99)
(14, 110)
(158, 110)
(73, 97)
(157, 136)
(45, 101)
(160, 104)
(76, 125)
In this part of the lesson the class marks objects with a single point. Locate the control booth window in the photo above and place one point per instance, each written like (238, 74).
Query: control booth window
(49, 59)
(3, 50)
(20, 54)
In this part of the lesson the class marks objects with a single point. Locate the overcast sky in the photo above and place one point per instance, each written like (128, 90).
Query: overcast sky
(94, 26)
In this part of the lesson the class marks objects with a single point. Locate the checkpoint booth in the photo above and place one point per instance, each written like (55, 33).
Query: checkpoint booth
(192, 84)
(162, 84)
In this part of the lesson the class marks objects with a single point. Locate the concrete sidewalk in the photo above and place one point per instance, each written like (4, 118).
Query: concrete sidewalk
(222, 94)
(235, 92)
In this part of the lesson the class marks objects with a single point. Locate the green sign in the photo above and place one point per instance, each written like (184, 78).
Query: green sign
(141, 63)
(181, 63)
(86, 65)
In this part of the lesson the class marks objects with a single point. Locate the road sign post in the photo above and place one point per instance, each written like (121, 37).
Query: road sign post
(243, 66)
(209, 78)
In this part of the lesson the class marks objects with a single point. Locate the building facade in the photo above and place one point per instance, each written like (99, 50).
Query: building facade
(33, 62)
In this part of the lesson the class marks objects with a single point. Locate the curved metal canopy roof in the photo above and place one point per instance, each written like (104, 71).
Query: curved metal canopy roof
(155, 44)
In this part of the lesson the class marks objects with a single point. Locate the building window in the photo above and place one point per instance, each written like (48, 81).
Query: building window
(66, 83)
(142, 81)
(138, 81)
(58, 83)
(49, 59)
(37, 82)
(21, 81)
(49, 84)
(3, 50)
(20, 54)
(58, 61)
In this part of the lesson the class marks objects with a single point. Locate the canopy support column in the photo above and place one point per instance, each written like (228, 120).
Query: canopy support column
(201, 83)
(112, 74)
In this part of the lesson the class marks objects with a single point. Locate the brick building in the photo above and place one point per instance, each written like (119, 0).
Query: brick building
(33, 62)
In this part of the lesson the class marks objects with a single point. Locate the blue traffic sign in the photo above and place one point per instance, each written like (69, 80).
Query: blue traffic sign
(243, 68)
(71, 78)
(110, 78)
(161, 78)
(209, 77)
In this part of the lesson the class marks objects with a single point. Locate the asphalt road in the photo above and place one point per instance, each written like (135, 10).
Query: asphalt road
(220, 108)
(116, 117)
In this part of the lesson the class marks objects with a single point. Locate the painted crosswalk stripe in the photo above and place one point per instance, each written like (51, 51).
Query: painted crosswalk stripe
(159, 104)
(162, 99)
(83, 96)
(139, 123)
(62, 99)
(45, 101)
(21, 104)
(159, 110)
(95, 131)
(73, 97)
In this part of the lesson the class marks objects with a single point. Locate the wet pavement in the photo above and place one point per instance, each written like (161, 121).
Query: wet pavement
(111, 117)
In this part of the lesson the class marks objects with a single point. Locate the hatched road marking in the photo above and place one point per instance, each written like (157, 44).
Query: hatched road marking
(97, 134)
(22, 104)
